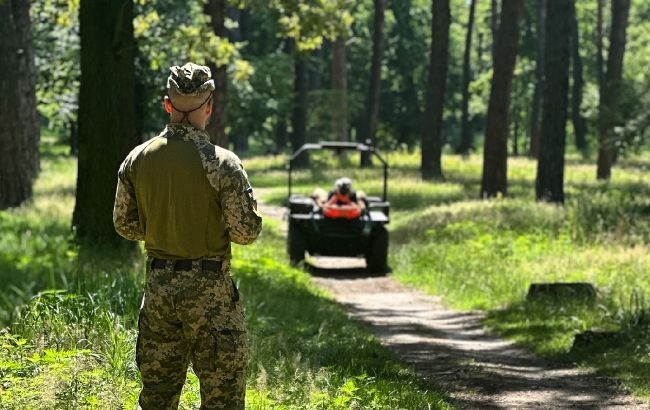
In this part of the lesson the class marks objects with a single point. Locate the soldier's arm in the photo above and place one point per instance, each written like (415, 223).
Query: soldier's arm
(240, 208)
(125, 211)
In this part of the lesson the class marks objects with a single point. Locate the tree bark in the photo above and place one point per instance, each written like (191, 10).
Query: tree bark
(494, 24)
(19, 125)
(609, 115)
(495, 154)
(579, 126)
(600, 64)
(408, 114)
(549, 184)
(216, 127)
(340, 88)
(369, 127)
(536, 112)
(431, 167)
(466, 132)
(107, 126)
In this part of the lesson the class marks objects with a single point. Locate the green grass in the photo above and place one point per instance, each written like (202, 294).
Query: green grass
(70, 310)
(485, 254)
(69, 313)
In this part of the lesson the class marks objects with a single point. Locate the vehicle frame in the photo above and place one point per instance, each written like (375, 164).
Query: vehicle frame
(309, 231)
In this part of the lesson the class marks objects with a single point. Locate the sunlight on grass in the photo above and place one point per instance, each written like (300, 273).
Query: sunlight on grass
(71, 313)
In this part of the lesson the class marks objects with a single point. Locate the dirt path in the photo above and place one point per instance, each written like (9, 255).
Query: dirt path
(452, 348)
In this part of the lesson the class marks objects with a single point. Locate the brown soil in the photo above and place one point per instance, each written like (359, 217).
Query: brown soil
(452, 349)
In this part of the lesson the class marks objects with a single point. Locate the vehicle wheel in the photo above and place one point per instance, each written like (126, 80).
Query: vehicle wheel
(377, 256)
(296, 243)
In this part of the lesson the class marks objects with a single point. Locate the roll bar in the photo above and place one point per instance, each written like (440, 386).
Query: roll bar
(340, 146)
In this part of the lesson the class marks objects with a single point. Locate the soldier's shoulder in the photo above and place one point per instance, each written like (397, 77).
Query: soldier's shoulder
(136, 152)
(227, 156)
(217, 156)
(138, 149)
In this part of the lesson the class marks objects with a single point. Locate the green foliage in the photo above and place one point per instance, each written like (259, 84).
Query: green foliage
(172, 33)
(257, 105)
(55, 28)
(485, 254)
(169, 32)
(308, 23)
(69, 342)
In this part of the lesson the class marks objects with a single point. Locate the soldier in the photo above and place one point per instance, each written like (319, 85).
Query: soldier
(188, 199)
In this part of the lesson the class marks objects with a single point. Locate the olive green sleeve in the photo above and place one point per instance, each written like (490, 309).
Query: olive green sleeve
(125, 210)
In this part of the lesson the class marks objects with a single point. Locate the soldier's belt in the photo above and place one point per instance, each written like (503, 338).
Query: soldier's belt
(186, 264)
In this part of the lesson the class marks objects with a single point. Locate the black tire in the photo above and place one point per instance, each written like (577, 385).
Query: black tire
(377, 255)
(296, 243)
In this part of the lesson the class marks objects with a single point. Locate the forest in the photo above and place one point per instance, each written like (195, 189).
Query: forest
(515, 130)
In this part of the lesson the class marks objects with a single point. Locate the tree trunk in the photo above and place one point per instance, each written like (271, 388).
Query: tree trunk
(369, 127)
(19, 124)
(536, 112)
(340, 88)
(299, 117)
(431, 166)
(549, 184)
(579, 126)
(494, 24)
(609, 115)
(466, 132)
(409, 113)
(600, 64)
(216, 127)
(495, 153)
(315, 69)
(107, 126)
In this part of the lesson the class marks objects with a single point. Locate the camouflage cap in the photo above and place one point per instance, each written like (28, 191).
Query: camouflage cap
(190, 79)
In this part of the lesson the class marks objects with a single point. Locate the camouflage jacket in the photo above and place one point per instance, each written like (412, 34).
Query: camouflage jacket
(185, 197)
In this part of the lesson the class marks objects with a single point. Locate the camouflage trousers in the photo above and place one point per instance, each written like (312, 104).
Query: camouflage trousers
(196, 317)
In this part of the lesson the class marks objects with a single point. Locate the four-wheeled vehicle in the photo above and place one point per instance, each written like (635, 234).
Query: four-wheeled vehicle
(320, 235)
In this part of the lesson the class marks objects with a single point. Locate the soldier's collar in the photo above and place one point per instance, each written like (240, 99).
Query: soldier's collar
(185, 131)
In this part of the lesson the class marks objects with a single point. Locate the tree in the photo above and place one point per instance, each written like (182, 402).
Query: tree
(549, 184)
(298, 135)
(401, 107)
(466, 133)
(495, 155)
(340, 89)
(579, 127)
(494, 25)
(608, 112)
(600, 65)
(107, 127)
(216, 127)
(19, 124)
(431, 167)
(307, 27)
(536, 112)
(369, 126)
(55, 31)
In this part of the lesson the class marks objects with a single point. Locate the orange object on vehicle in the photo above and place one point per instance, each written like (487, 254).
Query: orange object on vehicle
(342, 211)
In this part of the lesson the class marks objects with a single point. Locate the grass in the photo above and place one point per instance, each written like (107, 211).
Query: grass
(69, 313)
(485, 254)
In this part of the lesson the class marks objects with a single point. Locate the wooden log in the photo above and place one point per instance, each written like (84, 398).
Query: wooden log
(578, 290)
(594, 337)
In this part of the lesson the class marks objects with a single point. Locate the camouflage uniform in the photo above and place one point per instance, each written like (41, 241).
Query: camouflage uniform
(188, 200)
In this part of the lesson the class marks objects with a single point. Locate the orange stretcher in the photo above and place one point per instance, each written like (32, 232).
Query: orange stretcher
(342, 211)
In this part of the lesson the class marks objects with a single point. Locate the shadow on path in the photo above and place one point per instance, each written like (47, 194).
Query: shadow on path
(453, 350)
